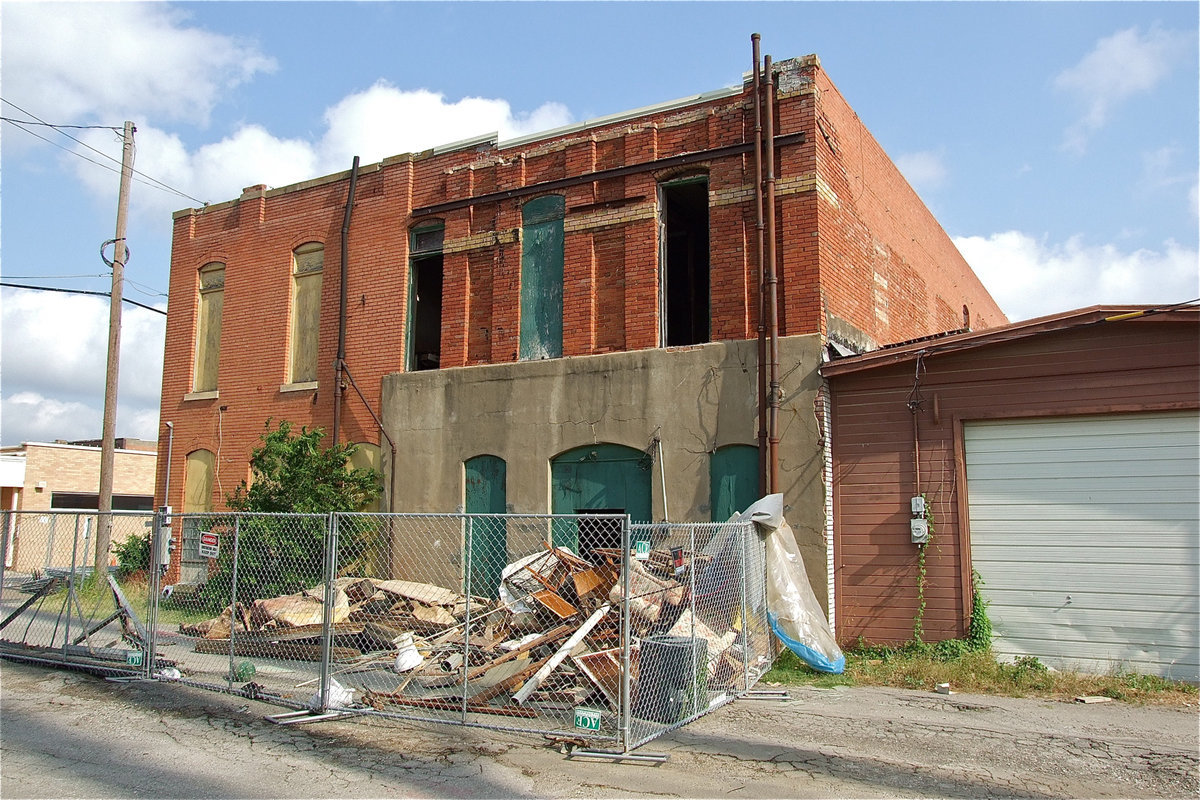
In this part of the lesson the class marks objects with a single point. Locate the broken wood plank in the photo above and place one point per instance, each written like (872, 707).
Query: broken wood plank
(426, 593)
(604, 670)
(503, 686)
(556, 659)
(561, 608)
(550, 636)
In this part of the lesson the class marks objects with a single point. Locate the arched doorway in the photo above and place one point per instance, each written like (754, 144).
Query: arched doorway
(600, 478)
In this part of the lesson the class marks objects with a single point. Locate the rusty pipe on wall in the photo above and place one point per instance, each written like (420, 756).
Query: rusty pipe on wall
(764, 480)
(340, 362)
(772, 301)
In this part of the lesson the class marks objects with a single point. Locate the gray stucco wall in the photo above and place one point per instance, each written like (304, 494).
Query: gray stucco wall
(694, 398)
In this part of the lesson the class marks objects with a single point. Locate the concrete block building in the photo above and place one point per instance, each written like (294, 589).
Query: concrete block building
(562, 322)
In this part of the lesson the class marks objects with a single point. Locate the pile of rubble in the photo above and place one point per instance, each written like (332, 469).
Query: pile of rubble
(550, 641)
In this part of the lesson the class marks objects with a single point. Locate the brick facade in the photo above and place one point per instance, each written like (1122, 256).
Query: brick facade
(855, 245)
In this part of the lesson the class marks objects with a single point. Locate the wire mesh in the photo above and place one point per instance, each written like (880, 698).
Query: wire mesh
(55, 607)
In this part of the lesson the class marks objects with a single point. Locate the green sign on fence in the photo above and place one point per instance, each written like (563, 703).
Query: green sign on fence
(641, 550)
(133, 658)
(587, 719)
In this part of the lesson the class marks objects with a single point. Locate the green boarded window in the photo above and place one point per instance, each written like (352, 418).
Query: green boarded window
(733, 480)
(485, 492)
(605, 478)
(542, 277)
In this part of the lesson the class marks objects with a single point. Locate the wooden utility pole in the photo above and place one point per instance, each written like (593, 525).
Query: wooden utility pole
(108, 441)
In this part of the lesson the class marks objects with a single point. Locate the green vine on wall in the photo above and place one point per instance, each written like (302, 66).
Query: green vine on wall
(919, 618)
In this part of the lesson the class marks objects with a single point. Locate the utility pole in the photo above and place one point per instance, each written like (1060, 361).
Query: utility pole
(108, 441)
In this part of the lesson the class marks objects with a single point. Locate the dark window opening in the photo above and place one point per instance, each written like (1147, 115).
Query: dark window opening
(601, 533)
(685, 278)
(425, 300)
(84, 501)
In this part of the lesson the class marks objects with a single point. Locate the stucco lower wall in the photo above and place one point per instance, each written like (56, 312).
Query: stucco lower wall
(694, 399)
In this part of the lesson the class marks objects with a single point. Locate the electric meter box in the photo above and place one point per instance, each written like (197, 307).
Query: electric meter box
(920, 531)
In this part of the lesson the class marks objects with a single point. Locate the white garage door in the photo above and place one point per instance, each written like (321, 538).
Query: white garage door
(1085, 531)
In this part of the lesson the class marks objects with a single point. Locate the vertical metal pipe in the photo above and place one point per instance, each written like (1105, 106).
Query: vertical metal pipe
(166, 501)
(466, 660)
(331, 544)
(71, 586)
(6, 518)
(233, 599)
(763, 472)
(340, 362)
(744, 531)
(626, 702)
(772, 281)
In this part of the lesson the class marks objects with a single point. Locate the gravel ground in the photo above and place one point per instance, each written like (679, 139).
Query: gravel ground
(68, 734)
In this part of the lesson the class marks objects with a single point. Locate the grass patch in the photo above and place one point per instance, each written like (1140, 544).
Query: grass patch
(96, 599)
(923, 666)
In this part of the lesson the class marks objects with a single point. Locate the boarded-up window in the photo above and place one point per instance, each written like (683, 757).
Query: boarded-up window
(542, 277)
(198, 481)
(308, 260)
(208, 329)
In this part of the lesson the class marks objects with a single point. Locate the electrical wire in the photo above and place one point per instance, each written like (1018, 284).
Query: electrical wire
(52, 125)
(39, 120)
(81, 291)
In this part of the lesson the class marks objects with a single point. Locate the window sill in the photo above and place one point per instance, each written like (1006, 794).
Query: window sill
(304, 386)
(211, 395)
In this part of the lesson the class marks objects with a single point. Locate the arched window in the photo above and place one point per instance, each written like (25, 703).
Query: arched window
(485, 491)
(542, 245)
(308, 261)
(199, 473)
(604, 479)
(211, 299)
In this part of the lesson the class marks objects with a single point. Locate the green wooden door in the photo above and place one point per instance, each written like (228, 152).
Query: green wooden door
(733, 480)
(542, 277)
(486, 493)
(600, 477)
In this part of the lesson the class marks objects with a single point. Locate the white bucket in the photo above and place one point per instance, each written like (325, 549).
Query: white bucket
(407, 657)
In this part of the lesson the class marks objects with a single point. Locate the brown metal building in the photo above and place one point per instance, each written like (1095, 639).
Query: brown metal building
(1058, 457)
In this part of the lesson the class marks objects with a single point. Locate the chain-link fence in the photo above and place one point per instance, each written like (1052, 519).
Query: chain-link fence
(54, 606)
(579, 626)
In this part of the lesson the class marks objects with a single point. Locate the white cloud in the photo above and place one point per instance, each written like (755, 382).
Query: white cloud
(1118, 67)
(78, 61)
(54, 351)
(1031, 278)
(924, 170)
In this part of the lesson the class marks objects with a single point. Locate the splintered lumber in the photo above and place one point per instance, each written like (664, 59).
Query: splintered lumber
(550, 636)
(570, 559)
(591, 580)
(559, 607)
(290, 651)
(378, 699)
(503, 686)
(552, 663)
(425, 593)
(433, 618)
(129, 620)
(604, 670)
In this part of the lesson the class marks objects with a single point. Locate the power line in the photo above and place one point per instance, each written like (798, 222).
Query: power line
(51, 125)
(80, 291)
(160, 184)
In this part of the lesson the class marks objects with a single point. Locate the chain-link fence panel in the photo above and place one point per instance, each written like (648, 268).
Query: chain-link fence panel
(250, 611)
(486, 620)
(697, 604)
(56, 608)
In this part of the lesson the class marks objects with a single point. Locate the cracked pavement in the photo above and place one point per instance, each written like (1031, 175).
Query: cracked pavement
(68, 734)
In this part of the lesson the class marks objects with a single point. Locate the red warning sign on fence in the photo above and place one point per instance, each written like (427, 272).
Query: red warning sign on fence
(210, 544)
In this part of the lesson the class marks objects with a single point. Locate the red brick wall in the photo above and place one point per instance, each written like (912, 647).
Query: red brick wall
(829, 256)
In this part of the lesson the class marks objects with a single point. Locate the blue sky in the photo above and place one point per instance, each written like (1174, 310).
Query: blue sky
(1055, 142)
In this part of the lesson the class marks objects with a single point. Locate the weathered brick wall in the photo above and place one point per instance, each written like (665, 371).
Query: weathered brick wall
(828, 255)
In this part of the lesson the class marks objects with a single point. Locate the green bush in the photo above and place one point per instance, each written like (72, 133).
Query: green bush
(133, 555)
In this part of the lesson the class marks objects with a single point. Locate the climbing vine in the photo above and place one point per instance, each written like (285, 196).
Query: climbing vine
(919, 618)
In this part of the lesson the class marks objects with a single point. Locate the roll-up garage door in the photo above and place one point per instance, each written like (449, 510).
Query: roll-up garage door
(1086, 532)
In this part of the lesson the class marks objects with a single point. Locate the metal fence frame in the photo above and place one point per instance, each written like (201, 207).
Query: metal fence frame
(721, 568)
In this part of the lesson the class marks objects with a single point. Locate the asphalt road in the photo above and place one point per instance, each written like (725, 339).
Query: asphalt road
(67, 734)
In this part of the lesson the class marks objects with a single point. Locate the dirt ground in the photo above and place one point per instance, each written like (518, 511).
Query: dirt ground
(68, 734)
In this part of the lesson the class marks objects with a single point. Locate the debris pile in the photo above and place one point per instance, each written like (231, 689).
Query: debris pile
(550, 642)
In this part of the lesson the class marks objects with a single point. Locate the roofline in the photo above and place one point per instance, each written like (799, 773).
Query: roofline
(1066, 320)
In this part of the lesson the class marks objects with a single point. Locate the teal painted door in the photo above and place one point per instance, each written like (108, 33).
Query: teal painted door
(486, 493)
(733, 480)
(601, 477)
(542, 278)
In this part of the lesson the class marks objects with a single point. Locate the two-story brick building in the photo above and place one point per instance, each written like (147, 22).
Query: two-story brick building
(561, 322)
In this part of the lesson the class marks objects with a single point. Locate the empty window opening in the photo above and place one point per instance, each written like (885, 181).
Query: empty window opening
(425, 300)
(684, 261)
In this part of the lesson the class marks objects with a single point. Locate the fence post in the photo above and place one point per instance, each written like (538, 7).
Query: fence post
(467, 624)
(331, 547)
(153, 592)
(746, 528)
(233, 601)
(6, 518)
(626, 701)
(71, 582)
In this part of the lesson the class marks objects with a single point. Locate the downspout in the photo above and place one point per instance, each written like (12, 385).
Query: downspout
(339, 363)
(763, 470)
(772, 283)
